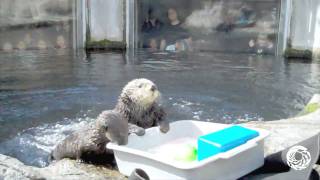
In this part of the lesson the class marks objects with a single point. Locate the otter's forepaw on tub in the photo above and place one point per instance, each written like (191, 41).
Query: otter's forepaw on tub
(164, 126)
(159, 114)
(139, 131)
(89, 144)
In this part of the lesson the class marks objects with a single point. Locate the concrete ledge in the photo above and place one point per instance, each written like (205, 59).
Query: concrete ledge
(287, 132)
(11, 168)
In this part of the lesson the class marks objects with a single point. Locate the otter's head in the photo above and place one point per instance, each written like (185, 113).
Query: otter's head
(114, 126)
(141, 92)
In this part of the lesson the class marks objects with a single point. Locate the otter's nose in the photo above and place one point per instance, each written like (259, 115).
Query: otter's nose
(153, 88)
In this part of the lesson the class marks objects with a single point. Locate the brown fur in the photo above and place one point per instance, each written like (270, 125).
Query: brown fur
(89, 144)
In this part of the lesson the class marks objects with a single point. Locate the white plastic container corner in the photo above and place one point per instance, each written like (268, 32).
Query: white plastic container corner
(229, 165)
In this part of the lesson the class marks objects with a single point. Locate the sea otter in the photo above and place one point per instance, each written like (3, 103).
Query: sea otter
(137, 108)
(89, 144)
(138, 103)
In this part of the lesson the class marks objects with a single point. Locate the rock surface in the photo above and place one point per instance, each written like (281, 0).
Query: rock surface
(287, 132)
(283, 133)
(11, 168)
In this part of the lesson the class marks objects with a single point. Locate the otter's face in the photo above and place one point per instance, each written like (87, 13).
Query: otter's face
(142, 92)
(114, 126)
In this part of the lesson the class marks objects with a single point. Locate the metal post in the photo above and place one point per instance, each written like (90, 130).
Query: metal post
(284, 26)
(131, 32)
(79, 24)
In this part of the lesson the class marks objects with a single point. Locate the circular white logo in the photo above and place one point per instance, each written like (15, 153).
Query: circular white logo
(298, 157)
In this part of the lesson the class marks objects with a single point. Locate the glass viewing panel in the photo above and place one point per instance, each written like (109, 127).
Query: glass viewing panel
(36, 24)
(208, 25)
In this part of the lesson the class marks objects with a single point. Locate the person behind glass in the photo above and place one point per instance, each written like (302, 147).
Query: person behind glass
(150, 30)
(175, 38)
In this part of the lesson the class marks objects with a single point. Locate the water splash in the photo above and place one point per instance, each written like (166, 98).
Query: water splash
(34, 145)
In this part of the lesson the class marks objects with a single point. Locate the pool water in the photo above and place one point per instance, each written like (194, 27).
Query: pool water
(45, 95)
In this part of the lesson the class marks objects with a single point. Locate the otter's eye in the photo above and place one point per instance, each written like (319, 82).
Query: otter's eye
(140, 86)
(153, 88)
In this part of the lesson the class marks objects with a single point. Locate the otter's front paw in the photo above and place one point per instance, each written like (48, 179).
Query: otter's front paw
(140, 131)
(164, 127)
(136, 130)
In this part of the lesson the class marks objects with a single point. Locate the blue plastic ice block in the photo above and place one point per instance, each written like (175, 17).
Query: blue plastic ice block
(223, 140)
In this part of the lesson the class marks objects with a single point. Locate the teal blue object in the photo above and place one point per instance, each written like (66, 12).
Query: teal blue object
(223, 140)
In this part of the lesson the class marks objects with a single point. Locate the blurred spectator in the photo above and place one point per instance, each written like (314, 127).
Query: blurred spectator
(175, 38)
(227, 25)
(60, 42)
(262, 44)
(247, 17)
(150, 29)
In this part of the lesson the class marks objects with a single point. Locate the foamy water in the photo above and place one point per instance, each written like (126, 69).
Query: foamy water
(34, 145)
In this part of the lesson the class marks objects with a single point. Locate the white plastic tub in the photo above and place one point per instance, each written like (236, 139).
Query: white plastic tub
(232, 164)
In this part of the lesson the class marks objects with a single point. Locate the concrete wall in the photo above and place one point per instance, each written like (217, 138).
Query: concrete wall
(302, 23)
(36, 24)
(302, 29)
(107, 20)
(46, 24)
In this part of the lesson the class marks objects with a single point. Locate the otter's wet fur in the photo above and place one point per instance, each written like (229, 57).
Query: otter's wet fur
(89, 144)
(137, 108)
(138, 103)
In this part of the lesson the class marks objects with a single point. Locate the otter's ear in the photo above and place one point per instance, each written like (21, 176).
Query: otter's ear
(106, 128)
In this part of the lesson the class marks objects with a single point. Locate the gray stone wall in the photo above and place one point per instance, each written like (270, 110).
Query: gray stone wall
(304, 27)
(303, 23)
(104, 24)
(107, 20)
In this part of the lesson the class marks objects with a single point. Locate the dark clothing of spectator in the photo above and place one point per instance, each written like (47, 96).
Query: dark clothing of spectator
(173, 33)
(149, 27)
(150, 30)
